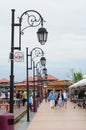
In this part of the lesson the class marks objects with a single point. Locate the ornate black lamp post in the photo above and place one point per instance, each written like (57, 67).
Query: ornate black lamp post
(34, 19)
(36, 52)
(45, 72)
(42, 78)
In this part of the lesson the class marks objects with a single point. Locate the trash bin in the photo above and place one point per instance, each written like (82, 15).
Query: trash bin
(7, 121)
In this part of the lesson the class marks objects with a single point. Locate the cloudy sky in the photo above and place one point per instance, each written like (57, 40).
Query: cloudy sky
(66, 44)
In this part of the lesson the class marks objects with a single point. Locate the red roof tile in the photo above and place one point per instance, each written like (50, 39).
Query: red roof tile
(49, 77)
(4, 80)
(29, 79)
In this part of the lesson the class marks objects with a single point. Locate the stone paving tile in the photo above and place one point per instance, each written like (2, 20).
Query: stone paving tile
(59, 118)
(23, 125)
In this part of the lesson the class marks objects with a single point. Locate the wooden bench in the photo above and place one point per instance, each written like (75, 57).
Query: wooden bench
(7, 105)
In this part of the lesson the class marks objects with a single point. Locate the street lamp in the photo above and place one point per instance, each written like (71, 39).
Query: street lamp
(43, 61)
(34, 19)
(36, 52)
(42, 76)
(42, 35)
(45, 73)
(39, 66)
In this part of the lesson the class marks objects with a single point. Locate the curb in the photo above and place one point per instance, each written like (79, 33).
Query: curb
(18, 117)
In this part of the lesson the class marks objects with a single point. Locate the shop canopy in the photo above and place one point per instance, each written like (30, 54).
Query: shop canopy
(79, 84)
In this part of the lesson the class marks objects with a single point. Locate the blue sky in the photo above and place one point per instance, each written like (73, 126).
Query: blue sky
(66, 45)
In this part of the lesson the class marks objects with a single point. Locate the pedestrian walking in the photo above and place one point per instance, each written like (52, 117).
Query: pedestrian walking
(24, 97)
(65, 98)
(60, 99)
(52, 99)
(30, 101)
(56, 98)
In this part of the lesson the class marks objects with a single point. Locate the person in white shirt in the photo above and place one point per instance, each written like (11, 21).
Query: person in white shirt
(65, 98)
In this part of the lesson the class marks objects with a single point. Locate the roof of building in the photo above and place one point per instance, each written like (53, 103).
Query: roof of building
(4, 80)
(49, 78)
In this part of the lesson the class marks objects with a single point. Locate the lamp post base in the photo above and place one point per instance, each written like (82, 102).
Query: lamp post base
(34, 106)
(41, 98)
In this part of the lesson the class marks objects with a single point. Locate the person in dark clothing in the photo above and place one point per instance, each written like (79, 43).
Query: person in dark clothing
(18, 95)
(80, 94)
(60, 99)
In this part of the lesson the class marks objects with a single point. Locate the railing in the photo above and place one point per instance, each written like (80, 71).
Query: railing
(16, 101)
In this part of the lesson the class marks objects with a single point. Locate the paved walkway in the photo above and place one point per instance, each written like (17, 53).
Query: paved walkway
(53, 119)
(58, 118)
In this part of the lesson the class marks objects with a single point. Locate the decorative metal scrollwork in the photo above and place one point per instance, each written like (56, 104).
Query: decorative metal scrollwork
(37, 52)
(33, 19)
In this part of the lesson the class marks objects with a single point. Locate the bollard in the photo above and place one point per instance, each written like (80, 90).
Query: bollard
(7, 121)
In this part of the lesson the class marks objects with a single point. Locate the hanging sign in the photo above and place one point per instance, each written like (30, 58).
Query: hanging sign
(19, 56)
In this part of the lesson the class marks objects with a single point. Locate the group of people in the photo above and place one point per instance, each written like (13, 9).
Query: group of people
(22, 95)
(24, 99)
(58, 99)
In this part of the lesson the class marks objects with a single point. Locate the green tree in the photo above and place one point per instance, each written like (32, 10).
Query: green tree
(77, 76)
(74, 76)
